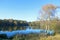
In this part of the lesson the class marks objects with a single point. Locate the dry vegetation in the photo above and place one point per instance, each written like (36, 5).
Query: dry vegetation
(56, 37)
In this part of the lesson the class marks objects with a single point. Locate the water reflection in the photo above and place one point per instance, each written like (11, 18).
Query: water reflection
(10, 28)
(22, 31)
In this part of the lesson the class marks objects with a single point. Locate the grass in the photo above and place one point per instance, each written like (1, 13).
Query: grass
(56, 37)
(37, 37)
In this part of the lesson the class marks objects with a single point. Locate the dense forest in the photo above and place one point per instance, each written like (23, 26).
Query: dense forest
(10, 24)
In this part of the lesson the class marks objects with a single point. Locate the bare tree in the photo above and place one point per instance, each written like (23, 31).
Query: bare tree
(48, 13)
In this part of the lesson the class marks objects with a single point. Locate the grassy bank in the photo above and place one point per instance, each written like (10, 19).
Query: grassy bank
(56, 37)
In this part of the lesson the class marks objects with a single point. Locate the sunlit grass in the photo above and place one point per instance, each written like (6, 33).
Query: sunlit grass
(56, 37)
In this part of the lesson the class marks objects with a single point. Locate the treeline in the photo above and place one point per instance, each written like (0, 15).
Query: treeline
(35, 24)
(11, 22)
(53, 25)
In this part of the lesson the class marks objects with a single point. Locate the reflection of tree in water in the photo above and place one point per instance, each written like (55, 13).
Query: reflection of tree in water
(10, 28)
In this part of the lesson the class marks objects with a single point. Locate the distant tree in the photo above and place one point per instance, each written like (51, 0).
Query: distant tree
(15, 22)
(10, 20)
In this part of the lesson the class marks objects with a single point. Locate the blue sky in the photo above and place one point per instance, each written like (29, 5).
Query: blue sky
(23, 9)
